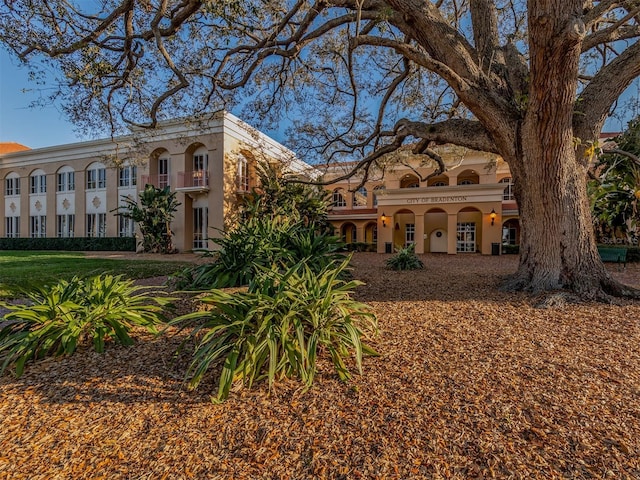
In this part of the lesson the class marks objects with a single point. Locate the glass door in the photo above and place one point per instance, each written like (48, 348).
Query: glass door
(466, 240)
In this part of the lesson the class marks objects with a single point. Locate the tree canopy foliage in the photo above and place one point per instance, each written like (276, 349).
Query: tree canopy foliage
(436, 71)
(532, 81)
(615, 189)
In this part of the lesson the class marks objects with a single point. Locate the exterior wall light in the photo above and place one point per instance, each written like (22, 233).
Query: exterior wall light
(384, 220)
(493, 216)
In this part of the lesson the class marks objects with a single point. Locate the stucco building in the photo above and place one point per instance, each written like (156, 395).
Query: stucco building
(73, 190)
(468, 208)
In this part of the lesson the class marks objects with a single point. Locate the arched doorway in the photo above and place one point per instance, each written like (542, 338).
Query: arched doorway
(404, 228)
(469, 230)
(348, 233)
(371, 233)
(511, 232)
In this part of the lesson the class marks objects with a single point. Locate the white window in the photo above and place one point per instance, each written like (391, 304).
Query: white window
(439, 184)
(409, 234)
(38, 183)
(163, 172)
(507, 194)
(96, 224)
(65, 225)
(243, 174)
(66, 181)
(128, 176)
(12, 227)
(37, 226)
(12, 185)
(360, 197)
(96, 178)
(200, 225)
(338, 199)
(466, 237)
(126, 226)
(466, 181)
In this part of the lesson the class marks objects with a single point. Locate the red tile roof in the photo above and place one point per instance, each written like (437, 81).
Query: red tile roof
(8, 147)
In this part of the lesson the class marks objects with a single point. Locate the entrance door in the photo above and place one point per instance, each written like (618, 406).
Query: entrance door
(466, 241)
(438, 241)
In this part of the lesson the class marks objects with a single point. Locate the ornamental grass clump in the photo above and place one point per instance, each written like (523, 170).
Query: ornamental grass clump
(279, 327)
(405, 259)
(58, 318)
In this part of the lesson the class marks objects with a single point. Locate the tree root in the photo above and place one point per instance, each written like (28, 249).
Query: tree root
(587, 289)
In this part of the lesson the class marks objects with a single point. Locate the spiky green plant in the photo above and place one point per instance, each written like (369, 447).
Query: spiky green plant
(60, 317)
(279, 327)
(276, 243)
(405, 259)
(153, 215)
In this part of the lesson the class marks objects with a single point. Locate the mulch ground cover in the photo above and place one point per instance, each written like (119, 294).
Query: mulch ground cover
(471, 382)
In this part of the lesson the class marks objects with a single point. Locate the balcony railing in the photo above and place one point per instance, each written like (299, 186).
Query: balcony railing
(195, 180)
(158, 181)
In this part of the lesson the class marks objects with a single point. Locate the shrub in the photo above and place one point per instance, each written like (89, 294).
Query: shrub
(279, 327)
(360, 247)
(405, 259)
(261, 242)
(153, 215)
(62, 316)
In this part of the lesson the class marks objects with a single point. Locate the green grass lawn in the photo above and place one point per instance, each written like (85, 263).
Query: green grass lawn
(21, 268)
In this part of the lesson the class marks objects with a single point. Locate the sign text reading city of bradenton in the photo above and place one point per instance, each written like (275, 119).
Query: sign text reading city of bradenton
(447, 199)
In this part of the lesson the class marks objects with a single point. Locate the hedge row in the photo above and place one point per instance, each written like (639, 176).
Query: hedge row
(117, 244)
(360, 247)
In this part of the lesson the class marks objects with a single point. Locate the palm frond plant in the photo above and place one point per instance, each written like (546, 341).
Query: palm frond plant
(60, 317)
(153, 215)
(279, 327)
(405, 259)
(277, 243)
(284, 223)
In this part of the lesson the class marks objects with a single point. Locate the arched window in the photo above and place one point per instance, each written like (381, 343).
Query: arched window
(242, 178)
(38, 182)
(508, 191)
(438, 181)
(468, 177)
(12, 185)
(338, 199)
(410, 181)
(360, 197)
(66, 180)
(375, 194)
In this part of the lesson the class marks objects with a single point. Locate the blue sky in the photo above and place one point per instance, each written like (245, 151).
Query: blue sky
(47, 126)
(33, 127)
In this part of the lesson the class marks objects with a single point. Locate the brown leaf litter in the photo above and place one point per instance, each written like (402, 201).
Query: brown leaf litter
(471, 383)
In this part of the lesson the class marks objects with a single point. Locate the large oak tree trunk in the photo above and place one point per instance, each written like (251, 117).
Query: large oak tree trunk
(558, 248)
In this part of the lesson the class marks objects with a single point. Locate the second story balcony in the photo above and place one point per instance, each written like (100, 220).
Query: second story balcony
(158, 181)
(194, 181)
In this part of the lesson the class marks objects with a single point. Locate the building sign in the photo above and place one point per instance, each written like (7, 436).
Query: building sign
(445, 199)
(428, 196)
